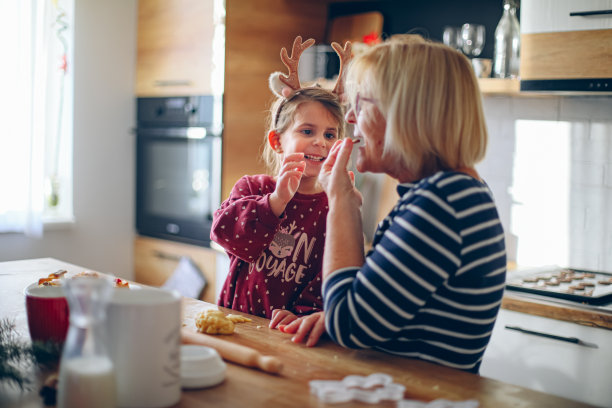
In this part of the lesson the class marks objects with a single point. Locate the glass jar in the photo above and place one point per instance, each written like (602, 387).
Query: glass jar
(87, 375)
(506, 58)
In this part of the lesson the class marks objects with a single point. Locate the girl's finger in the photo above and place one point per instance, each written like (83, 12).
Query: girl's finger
(304, 329)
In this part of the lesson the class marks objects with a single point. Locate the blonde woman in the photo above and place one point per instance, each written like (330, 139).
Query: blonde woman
(432, 285)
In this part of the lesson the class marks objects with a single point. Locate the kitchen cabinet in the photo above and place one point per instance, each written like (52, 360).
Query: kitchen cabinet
(155, 260)
(553, 366)
(175, 47)
(558, 45)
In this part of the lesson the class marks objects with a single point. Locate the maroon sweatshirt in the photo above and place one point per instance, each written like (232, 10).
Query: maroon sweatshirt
(275, 263)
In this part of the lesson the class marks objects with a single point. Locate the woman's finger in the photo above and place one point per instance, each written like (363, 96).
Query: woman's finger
(344, 154)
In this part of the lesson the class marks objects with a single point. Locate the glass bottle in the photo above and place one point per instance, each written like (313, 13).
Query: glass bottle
(87, 375)
(506, 57)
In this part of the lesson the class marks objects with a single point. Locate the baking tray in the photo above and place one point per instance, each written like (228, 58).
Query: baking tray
(578, 285)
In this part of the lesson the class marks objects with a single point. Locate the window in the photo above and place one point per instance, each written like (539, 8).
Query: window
(36, 114)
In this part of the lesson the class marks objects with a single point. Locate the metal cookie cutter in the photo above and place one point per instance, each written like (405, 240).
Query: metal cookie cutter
(371, 389)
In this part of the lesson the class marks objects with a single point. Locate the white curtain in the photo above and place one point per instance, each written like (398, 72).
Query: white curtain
(28, 43)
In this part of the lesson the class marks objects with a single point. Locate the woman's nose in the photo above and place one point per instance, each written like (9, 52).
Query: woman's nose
(350, 116)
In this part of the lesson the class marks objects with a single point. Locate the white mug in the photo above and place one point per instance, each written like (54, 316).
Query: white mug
(143, 339)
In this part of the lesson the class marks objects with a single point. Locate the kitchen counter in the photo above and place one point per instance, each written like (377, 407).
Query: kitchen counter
(249, 387)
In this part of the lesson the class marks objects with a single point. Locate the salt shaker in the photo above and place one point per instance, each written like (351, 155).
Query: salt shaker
(87, 375)
(506, 56)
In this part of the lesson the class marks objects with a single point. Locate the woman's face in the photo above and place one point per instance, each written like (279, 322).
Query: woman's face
(312, 132)
(369, 129)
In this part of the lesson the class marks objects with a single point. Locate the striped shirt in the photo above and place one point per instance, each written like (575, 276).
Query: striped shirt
(433, 283)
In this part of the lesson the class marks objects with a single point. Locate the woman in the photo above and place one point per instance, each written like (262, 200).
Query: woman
(432, 285)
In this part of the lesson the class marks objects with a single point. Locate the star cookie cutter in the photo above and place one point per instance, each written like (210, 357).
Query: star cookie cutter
(371, 389)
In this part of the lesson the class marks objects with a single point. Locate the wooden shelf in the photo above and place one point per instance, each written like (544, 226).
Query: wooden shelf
(499, 86)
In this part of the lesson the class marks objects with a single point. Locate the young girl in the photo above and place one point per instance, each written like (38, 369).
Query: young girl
(273, 227)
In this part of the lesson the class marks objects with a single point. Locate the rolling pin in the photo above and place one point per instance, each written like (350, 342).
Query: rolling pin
(235, 353)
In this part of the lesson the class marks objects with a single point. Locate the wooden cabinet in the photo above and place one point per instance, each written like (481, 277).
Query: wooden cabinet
(155, 260)
(175, 47)
(566, 46)
(255, 33)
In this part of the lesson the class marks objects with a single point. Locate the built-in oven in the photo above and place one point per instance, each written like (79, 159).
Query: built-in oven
(178, 167)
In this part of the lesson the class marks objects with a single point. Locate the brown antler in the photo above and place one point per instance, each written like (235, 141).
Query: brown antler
(345, 56)
(293, 81)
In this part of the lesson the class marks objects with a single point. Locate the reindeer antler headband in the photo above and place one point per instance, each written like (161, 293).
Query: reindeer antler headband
(291, 82)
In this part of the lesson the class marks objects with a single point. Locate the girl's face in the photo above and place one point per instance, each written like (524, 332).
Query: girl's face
(369, 130)
(312, 132)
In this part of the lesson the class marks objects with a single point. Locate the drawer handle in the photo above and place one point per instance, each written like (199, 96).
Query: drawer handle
(169, 257)
(574, 340)
(173, 82)
(590, 13)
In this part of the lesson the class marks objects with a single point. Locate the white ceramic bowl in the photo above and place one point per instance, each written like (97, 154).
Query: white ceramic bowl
(201, 366)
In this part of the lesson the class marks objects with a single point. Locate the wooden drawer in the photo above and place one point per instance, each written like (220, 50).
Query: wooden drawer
(566, 55)
(155, 260)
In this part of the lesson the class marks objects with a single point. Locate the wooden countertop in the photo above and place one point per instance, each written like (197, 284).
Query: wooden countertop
(252, 388)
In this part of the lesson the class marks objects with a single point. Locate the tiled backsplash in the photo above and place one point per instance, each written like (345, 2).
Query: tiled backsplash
(549, 164)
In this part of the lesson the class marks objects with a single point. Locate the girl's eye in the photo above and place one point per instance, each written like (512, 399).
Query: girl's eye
(306, 131)
(330, 136)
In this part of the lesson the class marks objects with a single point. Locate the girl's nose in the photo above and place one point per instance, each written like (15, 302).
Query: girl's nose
(350, 116)
(319, 139)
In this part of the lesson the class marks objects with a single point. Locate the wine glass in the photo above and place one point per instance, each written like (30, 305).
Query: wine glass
(473, 36)
(451, 36)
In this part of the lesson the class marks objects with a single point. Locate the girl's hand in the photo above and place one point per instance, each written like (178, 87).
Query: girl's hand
(281, 317)
(287, 182)
(335, 178)
(309, 328)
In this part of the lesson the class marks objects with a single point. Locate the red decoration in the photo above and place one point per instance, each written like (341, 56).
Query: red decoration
(371, 38)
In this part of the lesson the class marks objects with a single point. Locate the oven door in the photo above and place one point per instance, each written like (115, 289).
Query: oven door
(178, 179)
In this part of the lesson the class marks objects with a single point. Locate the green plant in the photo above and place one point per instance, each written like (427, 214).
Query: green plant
(17, 356)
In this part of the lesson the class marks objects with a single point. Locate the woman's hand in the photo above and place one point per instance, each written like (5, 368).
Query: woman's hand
(287, 182)
(309, 328)
(335, 178)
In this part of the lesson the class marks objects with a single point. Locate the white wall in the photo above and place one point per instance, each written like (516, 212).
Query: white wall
(104, 116)
(588, 179)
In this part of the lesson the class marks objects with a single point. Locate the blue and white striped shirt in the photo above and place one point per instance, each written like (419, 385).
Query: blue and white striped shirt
(433, 283)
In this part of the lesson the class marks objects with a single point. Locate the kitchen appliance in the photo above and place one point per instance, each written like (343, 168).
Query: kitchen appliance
(178, 167)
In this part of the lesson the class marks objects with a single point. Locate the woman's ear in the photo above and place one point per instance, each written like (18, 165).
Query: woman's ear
(274, 140)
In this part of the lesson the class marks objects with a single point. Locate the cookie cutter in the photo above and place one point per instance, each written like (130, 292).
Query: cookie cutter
(438, 403)
(371, 389)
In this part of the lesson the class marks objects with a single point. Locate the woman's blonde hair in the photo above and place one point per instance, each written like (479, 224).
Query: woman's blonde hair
(282, 114)
(429, 96)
